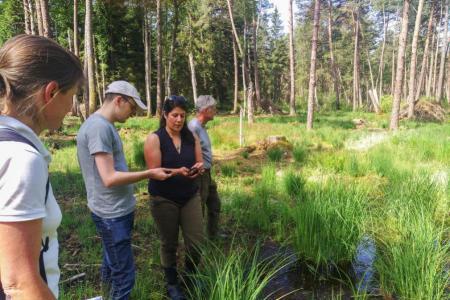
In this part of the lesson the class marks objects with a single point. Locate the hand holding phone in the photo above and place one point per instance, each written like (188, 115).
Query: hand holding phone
(193, 171)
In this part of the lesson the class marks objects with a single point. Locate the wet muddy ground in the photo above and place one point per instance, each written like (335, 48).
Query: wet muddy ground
(298, 280)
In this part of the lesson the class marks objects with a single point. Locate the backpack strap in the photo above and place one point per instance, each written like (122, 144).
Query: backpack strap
(41, 259)
(9, 135)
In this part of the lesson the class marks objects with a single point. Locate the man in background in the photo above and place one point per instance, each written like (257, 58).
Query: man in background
(206, 110)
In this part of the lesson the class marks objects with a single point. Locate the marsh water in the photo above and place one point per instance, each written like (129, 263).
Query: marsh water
(297, 279)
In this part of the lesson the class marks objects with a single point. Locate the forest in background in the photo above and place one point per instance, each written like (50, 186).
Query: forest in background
(354, 55)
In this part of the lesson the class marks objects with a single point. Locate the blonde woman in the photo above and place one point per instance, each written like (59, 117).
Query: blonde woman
(38, 79)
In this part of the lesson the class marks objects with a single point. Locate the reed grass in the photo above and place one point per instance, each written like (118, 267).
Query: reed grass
(236, 275)
(294, 186)
(275, 154)
(415, 265)
(330, 222)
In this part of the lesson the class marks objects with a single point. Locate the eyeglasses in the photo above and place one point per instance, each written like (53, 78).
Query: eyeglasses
(131, 102)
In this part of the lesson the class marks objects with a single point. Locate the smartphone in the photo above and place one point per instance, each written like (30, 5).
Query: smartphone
(193, 171)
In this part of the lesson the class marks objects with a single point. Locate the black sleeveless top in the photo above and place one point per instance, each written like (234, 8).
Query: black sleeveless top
(177, 188)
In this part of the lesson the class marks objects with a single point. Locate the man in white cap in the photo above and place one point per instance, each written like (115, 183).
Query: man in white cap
(109, 184)
(206, 110)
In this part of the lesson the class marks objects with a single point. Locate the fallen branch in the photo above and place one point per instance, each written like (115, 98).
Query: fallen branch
(68, 266)
(73, 278)
(137, 247)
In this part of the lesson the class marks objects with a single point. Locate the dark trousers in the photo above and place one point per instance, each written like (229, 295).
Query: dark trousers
(210, 202)
(118, 271)
(169, 217)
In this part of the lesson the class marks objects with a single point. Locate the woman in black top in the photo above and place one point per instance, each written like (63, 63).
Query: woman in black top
(175, 202)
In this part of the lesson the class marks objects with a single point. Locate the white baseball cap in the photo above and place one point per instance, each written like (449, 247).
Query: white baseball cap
(127, 89)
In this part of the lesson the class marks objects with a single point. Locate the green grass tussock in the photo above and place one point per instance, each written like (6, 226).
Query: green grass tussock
(294, 186)
(236, 275)
(415, 265)
(330, 222)
(300, 153)
(138, 154)
(275, 154)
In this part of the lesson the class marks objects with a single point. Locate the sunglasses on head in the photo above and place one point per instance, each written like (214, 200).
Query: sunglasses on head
(176, 99)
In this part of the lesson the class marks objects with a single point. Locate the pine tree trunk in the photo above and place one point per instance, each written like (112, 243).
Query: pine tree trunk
(443, 54)
(75, 102)
(381, 65)
(31, 16)
(193, 76)
(436, 55)
(39, 17)
(412, 68)
(230, 13)
(312, 70)
(241, 51)
(172, 48)
(148, 61)
(97, 74)
(341, 81)
(448, 79)
(45, 19)
(393, 71)
(103, 78)
(430, 67)
(434, 72)
(251, 96)
(69, 40)
(404, 82)
(425, 54)
(251, 90)
(236, 76)
(356, 78)
(374, 98)
(26, 15)
(334, 73)
(86, 87)
(255, 64)
(292, 60)
(244, 74)
(159, 96)
(88, 39)
(75, 28)
(400, 66)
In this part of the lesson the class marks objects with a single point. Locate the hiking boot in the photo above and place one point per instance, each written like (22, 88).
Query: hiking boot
(218, 235)
(174, 292)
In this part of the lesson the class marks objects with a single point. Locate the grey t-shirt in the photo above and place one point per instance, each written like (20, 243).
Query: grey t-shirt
(196, 127)
(98, 135)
